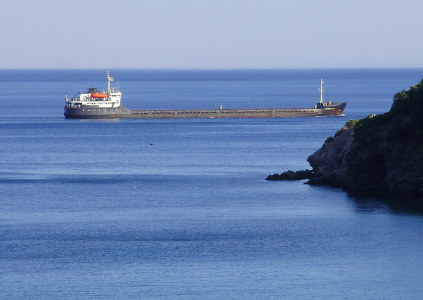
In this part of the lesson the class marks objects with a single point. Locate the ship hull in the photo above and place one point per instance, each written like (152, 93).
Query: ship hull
(89, 112)
(124, 113)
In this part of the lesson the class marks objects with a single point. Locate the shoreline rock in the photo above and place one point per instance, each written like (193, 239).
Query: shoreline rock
(378, 154)
(291, 175)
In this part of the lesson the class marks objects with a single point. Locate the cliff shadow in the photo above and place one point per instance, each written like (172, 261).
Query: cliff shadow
(393, 204)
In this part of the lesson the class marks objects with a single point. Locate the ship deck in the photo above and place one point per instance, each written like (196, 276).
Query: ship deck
(224, 113)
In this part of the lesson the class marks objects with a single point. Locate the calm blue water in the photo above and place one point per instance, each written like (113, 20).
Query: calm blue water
(179, 209)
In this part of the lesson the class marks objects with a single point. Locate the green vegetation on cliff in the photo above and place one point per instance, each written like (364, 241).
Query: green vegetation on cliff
(349, 124)
(404, 118)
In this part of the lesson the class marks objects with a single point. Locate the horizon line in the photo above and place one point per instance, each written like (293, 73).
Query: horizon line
(207, 69)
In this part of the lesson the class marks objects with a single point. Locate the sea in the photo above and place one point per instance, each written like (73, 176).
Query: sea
(180, 208)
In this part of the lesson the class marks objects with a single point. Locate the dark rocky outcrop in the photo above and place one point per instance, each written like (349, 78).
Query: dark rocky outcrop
(382, 153)
(291, 175)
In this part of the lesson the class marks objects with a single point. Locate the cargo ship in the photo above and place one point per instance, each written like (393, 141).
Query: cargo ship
(107, 105)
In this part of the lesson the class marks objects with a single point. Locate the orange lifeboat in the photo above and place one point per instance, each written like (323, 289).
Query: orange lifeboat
(98, 95)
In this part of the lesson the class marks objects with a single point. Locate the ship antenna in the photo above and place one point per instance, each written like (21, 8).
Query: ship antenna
(108, 81)
(321, 90)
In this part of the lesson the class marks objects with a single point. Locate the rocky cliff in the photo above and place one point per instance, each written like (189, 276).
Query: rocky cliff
(382, 153)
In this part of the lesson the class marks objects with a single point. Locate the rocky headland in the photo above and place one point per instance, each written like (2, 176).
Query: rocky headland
(379, 153)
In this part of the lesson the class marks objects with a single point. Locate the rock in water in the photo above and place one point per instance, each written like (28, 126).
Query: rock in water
(291, 175)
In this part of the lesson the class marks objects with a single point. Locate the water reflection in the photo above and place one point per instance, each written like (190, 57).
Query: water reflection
(390, 204)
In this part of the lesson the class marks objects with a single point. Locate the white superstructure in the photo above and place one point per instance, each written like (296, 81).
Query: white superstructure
(92, 98)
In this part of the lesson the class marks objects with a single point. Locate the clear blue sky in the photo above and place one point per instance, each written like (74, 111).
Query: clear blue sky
(215, 34)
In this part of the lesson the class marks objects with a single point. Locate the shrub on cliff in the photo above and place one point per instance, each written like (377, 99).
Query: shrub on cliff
(410, 103)
(403, 121)
(350, 123)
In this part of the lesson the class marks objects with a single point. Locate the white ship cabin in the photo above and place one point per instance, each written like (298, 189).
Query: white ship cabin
(106, 99)
(93, 98)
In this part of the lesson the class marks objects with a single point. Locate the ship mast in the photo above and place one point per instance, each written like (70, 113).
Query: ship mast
(108, 81)
(321, 90)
